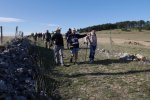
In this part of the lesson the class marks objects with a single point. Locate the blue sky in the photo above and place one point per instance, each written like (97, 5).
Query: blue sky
(40, 15)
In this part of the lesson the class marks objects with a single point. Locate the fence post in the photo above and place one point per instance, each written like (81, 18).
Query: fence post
(110, 52)
(110, 41)
(1, 28)
(16, 33)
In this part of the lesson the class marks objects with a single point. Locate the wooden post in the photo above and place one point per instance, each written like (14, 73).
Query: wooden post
(16, 31)
(1, 28)
(22, 34)
(110, 52)
(110, 42)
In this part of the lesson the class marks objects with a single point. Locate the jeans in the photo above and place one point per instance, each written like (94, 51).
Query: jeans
(92, 52)
(47, 44)
(58, 51)
(74, 50)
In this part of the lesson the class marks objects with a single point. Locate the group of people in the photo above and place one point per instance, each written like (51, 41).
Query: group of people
(72, 40)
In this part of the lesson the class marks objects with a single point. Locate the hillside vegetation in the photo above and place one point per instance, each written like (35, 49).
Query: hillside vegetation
(124, 26)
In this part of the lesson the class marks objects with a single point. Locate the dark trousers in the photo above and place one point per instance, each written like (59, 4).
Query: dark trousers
(92, 52)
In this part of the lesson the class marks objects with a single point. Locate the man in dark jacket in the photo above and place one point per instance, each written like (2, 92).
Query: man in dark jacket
(67, 35)
(74, 44)
(57, 39)
(47, 39)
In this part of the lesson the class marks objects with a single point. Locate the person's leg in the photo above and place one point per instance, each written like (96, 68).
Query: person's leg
(71, 59)
(93, 55)
(76, 55)
(61, 55)
(67, 45)
(56, 51)
(72, 55)
(45, 44)
(90, 56)
(49, 44)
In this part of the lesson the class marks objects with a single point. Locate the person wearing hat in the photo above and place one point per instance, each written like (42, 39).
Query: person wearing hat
(74, 45)
(57, 39)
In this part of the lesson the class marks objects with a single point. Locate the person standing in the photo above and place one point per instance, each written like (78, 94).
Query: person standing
(35, 38)
(57, 39)
(74, 45)
(47, 39)
(92, 38)
(67, 35)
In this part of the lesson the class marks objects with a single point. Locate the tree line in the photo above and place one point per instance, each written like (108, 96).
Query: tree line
(124, 26)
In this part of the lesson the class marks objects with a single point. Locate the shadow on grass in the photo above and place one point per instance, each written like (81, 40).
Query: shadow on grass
(118, 73)
(110, 61)
(106, 62)
(102, 74)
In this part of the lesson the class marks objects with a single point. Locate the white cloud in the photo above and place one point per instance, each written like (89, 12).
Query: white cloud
(52, 25)
(7, 20)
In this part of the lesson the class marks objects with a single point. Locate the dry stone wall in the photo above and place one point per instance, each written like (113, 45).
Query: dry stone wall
(16, 71)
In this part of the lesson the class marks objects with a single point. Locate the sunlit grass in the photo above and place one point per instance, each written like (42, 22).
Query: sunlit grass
(107, 78)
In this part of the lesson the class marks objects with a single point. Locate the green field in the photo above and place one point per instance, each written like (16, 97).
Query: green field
(107, 78)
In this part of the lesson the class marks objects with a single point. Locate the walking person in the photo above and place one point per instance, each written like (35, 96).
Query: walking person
(35, 38)
(57, 39)
(67, 35)
(43, 36)
(92, 38)
(74, 45)
(47, 39)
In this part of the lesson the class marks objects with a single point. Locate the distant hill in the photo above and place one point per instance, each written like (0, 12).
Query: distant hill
(124, 26)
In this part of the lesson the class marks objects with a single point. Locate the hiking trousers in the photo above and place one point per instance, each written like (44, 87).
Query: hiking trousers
(58, 51)
(92, 52)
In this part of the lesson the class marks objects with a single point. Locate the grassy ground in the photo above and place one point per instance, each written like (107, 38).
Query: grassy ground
(6, 39)
(132, 35)
(106, 79)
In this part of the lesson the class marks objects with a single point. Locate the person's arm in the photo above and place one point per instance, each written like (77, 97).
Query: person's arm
(81, 36)
(62, 40)
(88, 39)
(69, 38)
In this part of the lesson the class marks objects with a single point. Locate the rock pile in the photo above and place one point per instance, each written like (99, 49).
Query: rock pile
(131, 57)
(123, 56)
(16, 71)
(133, 43)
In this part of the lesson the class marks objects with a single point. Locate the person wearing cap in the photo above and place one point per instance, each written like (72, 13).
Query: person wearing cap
(74, 45)
(57, 39)
(92, 38)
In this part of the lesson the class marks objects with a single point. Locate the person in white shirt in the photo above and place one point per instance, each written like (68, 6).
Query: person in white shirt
(92, 38)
